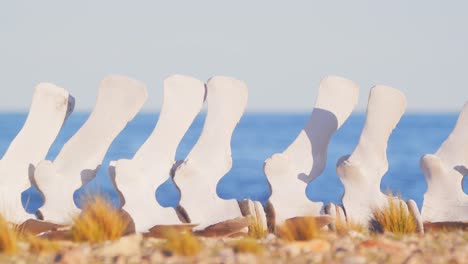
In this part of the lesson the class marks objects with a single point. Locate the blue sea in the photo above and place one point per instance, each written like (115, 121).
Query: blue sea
(257, 137)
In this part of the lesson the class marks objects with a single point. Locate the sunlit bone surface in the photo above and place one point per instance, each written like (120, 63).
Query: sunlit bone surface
(361, 173)
(445, 199)
(210, 159)
(289, 172)
(119, 100)
(49, 108)
(137, 179)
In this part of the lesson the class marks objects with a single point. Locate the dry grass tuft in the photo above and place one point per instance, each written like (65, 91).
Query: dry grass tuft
(298, 229)
(99, 221)
(394, 218)
(256, 228)
(343, 227)
(38, 245)
(353, 226)
(182, 243)
(248, 245)
(8, 237)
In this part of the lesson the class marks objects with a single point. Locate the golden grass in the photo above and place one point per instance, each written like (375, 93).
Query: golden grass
(99, 221)
(8, 237)
(38, 245)
(298, 229)
(247, 245)
(344, 227)
(256, 228)
(182, 243)
(394, 218)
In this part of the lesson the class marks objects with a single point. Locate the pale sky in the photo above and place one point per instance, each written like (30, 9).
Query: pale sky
(281, 49)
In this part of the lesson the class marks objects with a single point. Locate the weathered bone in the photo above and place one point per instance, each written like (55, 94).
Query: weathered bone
(137, 179)
(336, 212)
(414, 212)
(50, 106)
(361, 173)
(289, 172)
(119, 100)
(210, 159)
(445, 199)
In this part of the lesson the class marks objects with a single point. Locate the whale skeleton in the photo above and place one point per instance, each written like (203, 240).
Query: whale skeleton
(136, 180)
(289, 172)
(210, 159)
(362, 171)
(50, 107)
(119, 100)
(445, 199)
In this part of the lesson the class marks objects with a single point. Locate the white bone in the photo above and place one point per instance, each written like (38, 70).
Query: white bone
(210, 159)
(414, 212)
(119, 100)
(361, 173)
(289, 172)
(445, 199)
(138, 179)
(49, 108)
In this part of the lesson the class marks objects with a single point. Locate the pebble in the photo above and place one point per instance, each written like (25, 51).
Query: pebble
(73, 256)
(354, 260)
(296, 248)
(126, 246)
(269, 237)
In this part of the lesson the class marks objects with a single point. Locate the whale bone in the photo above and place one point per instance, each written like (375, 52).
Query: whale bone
(50, 107)
(119, 100)
(210, 159)
(445, 200)
(137, 179)
(362, 171)
(304, 160)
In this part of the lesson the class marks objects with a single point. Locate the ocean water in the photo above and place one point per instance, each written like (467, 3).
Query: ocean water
(257, 137)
